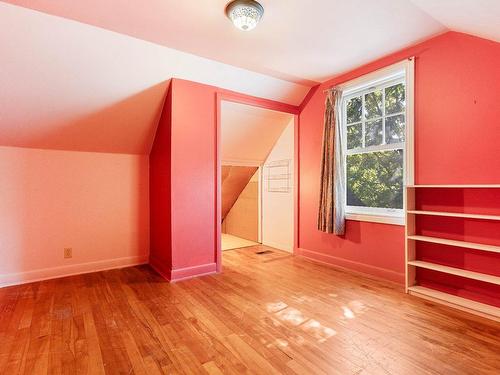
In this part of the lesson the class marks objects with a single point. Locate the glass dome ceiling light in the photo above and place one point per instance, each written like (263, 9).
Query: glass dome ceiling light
(245, 14)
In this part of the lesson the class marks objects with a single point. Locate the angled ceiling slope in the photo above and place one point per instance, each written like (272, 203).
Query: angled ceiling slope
(234, 180)
(71, 86)
(248, 133)
(476, 17)
(298, 40)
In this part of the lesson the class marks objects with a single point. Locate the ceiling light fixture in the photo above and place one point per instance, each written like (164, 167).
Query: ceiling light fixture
(245, 14)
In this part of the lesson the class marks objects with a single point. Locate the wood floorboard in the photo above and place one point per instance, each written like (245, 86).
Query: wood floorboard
(265, 314)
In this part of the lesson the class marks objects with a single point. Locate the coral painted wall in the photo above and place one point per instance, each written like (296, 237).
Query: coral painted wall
(193, 178)
(183, 167)
(160, 192)
(95, 203)
(457, 78)
(182, 175)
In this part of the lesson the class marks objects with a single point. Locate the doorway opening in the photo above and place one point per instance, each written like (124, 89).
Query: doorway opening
(257, 154)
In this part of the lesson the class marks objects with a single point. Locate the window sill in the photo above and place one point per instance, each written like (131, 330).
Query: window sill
(383, 219)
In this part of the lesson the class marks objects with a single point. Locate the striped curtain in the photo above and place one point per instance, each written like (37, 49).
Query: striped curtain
(331, 215)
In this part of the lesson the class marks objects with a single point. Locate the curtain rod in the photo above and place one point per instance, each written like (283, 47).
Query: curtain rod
(333, 87)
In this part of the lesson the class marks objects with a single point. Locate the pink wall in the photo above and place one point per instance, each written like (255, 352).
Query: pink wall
(183, 166)
(456, 141)
(95, 203)
(182, 172)
(193, 179)
(160, 192)
(450, 69)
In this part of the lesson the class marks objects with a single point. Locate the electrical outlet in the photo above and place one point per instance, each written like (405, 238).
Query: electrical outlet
(68, 252)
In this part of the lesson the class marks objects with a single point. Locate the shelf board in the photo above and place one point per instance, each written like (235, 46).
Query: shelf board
(455, 214)
(468, 245)
(455, 301)
(456, 271)
(484, 186)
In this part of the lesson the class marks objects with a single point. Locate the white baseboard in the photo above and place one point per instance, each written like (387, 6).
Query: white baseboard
(70, 270)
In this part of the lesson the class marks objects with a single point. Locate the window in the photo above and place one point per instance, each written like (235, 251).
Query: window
(374, 124)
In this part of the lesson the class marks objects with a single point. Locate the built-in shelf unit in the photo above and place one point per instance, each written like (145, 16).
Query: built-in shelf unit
(412, 263)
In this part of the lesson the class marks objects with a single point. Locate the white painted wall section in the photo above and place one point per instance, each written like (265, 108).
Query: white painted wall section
(278, 207)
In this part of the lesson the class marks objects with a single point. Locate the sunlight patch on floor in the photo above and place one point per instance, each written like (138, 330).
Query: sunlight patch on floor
(348, 312)
(295, 317)
(320, 332)
(292, 316)
(275, 307)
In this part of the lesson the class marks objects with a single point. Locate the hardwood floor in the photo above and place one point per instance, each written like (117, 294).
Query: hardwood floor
(266, 314)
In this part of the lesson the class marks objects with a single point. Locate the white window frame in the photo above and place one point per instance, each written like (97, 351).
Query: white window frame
(399, 72)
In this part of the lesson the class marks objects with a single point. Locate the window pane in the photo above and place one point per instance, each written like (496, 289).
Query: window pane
(373, 133)
(354, 136)
(354, 110)
(373, 104)
(395, 129)
(375, 179)
(395, 99)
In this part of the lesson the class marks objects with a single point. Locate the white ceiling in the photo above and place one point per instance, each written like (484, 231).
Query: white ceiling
(98, 84)
(299, 40)
(249, 133)
(70, 86)
(476, 17)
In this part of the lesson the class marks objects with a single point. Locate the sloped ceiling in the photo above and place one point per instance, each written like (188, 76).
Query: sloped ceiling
(299, 40)
(476, 17)
(234, 180)
(248, 133)
(91, 75)
(70, 86)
